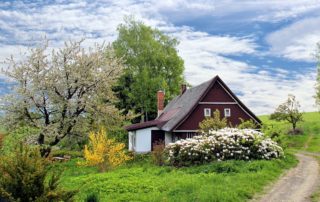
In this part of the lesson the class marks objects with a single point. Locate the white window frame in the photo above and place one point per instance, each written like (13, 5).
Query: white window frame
(133, 141)
(207, 112)
(227, 112)
(189, 135)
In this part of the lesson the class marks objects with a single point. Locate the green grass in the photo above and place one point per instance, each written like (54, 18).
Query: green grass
(142, 181)
(309, 140)
(2, 130)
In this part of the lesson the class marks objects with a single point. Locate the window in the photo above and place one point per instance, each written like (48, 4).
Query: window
(189, 135)
(227, 112)
(207, 112)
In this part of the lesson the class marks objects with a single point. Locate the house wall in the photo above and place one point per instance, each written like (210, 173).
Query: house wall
(168, 138)
(142, 140)
(131, 137)
(216, 94)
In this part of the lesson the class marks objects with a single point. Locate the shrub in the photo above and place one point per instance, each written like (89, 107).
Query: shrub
(228, 143)
(21, 134)
(157, 153)
(92, 198)
(104, 152)
(23, 178)
(1, 140)
(296, 131)
(213, 123)
(249, 124)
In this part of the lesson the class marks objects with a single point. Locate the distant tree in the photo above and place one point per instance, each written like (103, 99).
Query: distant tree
(63, 93)
(317, 96)
(288, 111)
(153, 64)
(213, 123)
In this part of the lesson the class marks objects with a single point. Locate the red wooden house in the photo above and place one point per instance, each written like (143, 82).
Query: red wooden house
(181, 117)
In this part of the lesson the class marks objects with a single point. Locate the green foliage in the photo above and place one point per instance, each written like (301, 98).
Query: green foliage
(21, 134)
(213, 123)
(250, 124)
(288, 111)
(227, 181)
(23, 178)
(152, 64)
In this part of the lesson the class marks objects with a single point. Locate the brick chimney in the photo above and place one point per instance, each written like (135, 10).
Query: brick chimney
(160, 103)
(183, 88)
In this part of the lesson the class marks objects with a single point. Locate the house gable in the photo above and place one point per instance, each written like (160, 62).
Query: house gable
(218, 96)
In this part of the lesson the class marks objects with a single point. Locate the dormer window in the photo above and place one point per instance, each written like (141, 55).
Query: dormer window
(227, 112)
(207, 112)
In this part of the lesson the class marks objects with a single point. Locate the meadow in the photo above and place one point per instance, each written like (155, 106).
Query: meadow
(309, 140)
(141, 180)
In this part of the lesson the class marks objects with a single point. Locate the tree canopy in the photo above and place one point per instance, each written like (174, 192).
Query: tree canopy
(64, 92)
(152, 64)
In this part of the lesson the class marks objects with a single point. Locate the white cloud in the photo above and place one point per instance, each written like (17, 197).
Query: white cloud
(204, 54)
(296, 41)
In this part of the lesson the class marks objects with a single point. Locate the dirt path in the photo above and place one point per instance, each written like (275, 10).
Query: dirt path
(298, 184)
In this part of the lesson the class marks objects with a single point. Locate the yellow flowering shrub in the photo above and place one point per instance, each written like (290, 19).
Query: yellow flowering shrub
(103, 151)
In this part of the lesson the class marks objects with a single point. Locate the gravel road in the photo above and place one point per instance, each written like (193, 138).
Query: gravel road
(297, 185)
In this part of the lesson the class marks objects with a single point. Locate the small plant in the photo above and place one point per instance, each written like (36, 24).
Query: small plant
(248, 124)
(157, 153)
(104, 152)
(23, 178)
(213, 123)
(92, 198)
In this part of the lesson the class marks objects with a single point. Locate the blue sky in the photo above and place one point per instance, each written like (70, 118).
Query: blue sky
(263, 50)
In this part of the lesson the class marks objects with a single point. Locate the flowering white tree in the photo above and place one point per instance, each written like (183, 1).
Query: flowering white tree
(62, 92)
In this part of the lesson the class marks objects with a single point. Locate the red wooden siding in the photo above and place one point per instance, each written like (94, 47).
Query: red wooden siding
(216, 94)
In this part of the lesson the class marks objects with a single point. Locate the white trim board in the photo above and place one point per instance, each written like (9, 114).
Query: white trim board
(218, 103)
(185, 131)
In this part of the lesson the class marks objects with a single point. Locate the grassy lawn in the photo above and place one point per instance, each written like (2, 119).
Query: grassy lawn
(142, 181)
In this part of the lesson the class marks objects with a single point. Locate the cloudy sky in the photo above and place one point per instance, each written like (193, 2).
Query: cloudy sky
(264, 50)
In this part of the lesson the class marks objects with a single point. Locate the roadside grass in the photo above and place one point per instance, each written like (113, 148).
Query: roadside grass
(143, 181)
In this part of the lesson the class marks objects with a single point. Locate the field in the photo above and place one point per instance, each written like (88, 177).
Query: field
(309, 140)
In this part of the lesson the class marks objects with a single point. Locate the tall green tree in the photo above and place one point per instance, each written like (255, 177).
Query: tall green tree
(152, 64)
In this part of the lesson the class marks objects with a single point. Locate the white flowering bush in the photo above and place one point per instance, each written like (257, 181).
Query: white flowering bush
(224, 144)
